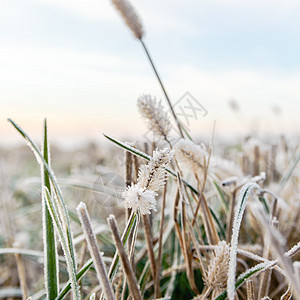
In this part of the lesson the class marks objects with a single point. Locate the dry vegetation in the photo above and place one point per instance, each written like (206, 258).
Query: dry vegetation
(181, 250)
(174, 219)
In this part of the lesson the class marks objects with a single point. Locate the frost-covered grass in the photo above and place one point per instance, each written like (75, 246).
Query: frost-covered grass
(174, 218)
(169, 254)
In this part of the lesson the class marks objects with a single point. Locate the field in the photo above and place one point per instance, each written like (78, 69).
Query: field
(175, 254)
(174, 216)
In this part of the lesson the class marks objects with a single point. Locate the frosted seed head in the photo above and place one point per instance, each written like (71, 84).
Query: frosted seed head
(156, 117)
(139, 199)
(191, 155)
(130, 16)
(153, 175)
(216, 274)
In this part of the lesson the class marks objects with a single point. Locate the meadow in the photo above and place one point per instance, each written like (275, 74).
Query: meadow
(175, 217)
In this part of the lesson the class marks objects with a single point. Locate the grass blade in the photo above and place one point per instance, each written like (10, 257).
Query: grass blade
(256, 270)
(58, 193)
(240, 209)
(53, 209)
(79, 275)
(50, 253)
(246, 276)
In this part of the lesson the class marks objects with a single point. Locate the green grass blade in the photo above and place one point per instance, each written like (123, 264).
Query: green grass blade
(128, 148)
(264, 203)
(186, 132)
(50, 262)
(79, 275)
(59, 195)
(53, 209)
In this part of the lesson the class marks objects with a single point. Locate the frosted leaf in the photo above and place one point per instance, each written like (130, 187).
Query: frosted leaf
(244, 194)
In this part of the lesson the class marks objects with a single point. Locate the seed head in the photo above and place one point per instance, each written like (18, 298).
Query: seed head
(191, 155)
(216, 274)
(139, 199)
(152, 177)
(157, 119)
(130, 17)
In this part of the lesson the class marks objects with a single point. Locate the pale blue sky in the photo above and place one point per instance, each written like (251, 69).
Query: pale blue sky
(76, 63)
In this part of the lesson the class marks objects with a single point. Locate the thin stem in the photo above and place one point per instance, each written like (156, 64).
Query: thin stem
(128, 182)
(130, 276)
(21, 274)
(161, 232)
(130, 225)
(231, 216)
(125, 235)
(94, 251)
(197, 248)
(205, 167)
(148, 237)
(162, 86)
(186, 241)
(250, 290)
(132, 245)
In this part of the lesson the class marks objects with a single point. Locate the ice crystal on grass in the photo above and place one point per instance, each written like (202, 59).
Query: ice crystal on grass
(245, 193)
